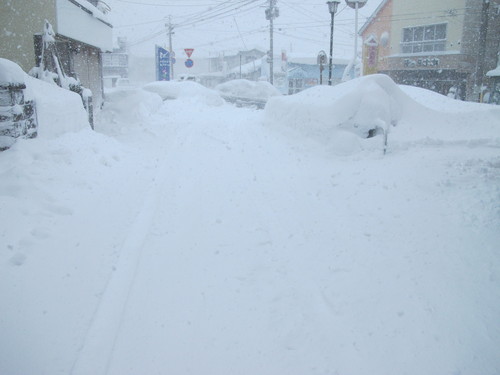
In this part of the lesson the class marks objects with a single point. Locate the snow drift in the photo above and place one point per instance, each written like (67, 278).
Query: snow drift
(376, 105)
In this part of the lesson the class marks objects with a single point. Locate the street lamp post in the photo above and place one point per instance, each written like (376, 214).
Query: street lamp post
(332, 8)
(354, 4)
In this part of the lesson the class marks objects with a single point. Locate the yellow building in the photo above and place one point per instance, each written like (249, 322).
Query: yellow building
(447, 46)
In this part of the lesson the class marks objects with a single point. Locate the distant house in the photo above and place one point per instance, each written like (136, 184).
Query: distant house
(82, 30)
(230, 62)
(447, 46)
(301, 76)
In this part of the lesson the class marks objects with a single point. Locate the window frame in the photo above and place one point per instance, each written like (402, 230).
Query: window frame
(423, 38)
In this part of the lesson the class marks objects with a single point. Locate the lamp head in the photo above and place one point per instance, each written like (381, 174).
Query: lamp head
(333, 5)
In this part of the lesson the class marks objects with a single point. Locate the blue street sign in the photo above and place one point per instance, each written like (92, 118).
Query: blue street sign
(189, 63)
(162, 64)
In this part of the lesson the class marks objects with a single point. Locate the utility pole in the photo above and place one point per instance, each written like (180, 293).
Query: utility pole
(170, 32)
(271, 13)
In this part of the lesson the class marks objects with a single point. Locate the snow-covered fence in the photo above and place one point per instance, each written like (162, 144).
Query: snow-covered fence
(17, 113)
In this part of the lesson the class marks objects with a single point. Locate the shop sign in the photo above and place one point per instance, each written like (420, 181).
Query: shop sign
(421, 62)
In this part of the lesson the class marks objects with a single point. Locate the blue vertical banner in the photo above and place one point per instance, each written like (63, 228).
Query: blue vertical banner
(162, 64)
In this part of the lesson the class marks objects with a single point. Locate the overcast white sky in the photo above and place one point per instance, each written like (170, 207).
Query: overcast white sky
(214, 26)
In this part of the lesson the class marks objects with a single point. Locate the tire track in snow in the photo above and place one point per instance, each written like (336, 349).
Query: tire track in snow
(96, 352)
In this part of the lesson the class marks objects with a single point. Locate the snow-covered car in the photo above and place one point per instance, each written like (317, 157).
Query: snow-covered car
(186, 77)
(245, 92)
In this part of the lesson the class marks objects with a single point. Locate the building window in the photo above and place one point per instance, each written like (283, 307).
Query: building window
(430, 38)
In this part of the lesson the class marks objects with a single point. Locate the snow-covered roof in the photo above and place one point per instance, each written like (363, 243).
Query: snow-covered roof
(250, 67)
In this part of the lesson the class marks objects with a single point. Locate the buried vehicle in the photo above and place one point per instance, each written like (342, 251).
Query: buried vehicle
(354, 115)
(243, 92)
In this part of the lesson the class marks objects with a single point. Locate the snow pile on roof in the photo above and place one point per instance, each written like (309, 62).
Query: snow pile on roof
(247, 68)
(248, 89)
(128, 106)
(343, 116)
(186, 90)
(10, 73)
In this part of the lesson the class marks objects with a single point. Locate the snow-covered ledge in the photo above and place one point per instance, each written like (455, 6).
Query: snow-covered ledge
(84, 23)
(495, 72)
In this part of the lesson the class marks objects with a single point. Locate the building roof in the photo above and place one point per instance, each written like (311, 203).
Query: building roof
(372, 17)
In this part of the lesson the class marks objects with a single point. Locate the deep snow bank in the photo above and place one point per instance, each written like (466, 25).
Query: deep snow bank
(186, 90)
(343, 116)
(244, 88)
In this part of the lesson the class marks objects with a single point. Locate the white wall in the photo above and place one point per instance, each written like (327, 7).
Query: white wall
(75, 23)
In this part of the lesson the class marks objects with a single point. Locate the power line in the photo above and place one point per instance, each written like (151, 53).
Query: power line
(163, 5)
(222, 13)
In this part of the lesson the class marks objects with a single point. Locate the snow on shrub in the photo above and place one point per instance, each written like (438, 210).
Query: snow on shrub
(248, 89)
(174, 90)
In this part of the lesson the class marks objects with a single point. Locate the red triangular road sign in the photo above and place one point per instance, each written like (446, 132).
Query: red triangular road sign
(189, 51)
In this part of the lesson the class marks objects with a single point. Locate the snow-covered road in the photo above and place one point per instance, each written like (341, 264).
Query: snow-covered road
(204, 242)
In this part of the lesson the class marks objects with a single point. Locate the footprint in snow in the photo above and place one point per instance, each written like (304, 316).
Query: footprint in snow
(18, 259)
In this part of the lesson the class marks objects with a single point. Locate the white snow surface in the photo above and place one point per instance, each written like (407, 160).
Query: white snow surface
(248, 89)
(186, 238)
